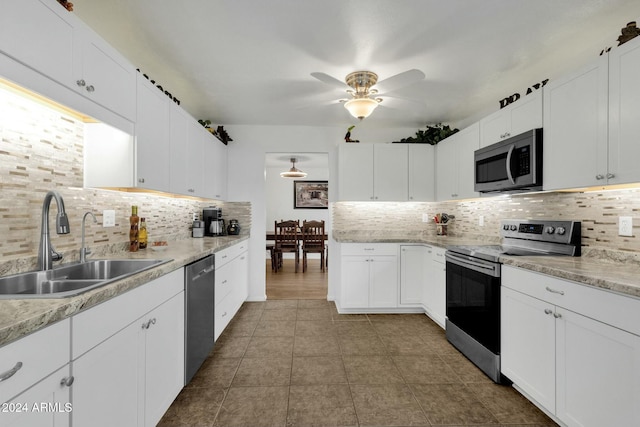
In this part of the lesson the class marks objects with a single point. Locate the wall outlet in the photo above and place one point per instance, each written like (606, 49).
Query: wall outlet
(108, 218)
(425, 217)
(625, 226)
(481, 220)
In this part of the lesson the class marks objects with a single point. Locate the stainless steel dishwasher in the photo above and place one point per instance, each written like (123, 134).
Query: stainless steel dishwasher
(199, 304)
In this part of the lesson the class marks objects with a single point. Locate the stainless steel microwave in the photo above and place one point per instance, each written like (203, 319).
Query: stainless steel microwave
(514, 164)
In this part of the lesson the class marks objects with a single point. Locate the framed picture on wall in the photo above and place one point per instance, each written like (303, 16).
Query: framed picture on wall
(310, 194)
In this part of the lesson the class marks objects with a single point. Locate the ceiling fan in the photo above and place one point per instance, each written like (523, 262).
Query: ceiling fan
(359, 85)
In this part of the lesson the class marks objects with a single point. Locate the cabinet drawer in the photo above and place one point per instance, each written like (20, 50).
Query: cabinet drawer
(369, 249)
(226, 255)
(95, 325)
(223, 313)
(40, 353)
(608, 307)
(223, 282)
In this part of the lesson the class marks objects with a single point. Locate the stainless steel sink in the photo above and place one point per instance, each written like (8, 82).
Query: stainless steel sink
(72, 279)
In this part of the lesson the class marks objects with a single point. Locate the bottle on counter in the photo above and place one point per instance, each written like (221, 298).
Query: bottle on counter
(142, 234)
(134, 231)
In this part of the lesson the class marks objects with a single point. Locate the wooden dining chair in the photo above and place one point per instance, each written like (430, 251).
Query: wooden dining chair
(312, 241)
(286, 234)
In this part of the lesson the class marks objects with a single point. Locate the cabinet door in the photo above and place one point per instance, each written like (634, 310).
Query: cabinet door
(37, 34)
(526, 113)
(196, 136)
(528, 345)
(446, 169)
(575, 128)
(383, 281)
(435, 284)
(598, 370)
(164, 361)
(468, 142)
(495, 127)
(103, 75)
(355, 172)
(152, 138)
(355, 282)
(179, 144)
(624, 104)
(413, 266)
(390, 172)
(421, 173)
(215, 169)
(107, 381)
(51, 392)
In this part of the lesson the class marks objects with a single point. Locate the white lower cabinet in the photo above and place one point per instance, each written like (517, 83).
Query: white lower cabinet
(565, 346)
(128, 355)
(414, 263)
(35, 390)
(434, 290)
(231, 284)
(369, 275)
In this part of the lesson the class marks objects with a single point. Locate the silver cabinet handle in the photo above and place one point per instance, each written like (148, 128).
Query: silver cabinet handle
(148, 323)
(81, 83)
(141, 180)
(191, 190)
(67, 381)
(599, 177)
(11, 372)
(557, 315)
(224, 314)
(410, 197)
(547, 311)
(90, 88)
(553, 291)
(369, 249)
(611, 175)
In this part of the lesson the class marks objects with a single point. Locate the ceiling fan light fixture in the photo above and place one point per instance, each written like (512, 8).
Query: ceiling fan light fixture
(293, 172)
(361, 108)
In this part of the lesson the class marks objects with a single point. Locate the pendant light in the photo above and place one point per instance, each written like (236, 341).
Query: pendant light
(293, 172)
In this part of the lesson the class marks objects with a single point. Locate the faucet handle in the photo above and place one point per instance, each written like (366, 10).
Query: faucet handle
(55, 256)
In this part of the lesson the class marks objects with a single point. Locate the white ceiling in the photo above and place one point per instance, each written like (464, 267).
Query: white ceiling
(250, 61)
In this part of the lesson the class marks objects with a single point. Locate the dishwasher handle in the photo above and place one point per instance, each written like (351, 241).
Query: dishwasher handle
(202, 272)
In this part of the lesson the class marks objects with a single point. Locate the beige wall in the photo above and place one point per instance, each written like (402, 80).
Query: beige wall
(42, 149)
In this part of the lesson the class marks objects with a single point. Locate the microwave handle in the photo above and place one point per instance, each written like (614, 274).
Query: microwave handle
(509, 174)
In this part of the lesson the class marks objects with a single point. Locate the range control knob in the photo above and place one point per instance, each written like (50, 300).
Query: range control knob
(560, 230)
(513, 227)
(505, 227)
(550, 230)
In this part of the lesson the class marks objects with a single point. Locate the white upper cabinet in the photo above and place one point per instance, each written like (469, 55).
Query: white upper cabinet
(390, 172)
(215, 169)
(455, 164)
(356, 172)
(39, 35)
(153, 150)
(521, 116)
(421, 172)
(575, 128)
(591, 121)
(103, 75)
(374, 172)
(179, 124)
(196, 139)
(624, 108)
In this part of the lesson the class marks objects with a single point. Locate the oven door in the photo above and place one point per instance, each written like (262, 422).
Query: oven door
(473, 298)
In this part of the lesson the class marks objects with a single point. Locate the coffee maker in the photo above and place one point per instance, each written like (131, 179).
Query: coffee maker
(213, 222)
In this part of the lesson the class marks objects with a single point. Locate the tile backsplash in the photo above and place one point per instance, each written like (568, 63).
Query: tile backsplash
(41, 149)
(597, 210)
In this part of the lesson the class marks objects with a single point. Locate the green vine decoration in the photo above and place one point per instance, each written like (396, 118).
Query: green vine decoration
(432, 135)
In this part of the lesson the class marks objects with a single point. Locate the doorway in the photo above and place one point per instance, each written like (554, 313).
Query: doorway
(280, 205)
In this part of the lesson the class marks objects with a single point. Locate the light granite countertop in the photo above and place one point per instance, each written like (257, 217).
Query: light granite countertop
(19, 317)
(615, 271)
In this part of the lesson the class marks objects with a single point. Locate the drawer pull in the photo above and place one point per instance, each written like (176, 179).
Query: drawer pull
(11, 372)
(224, 314)
(553, 291)
(557, 315)
(547, 311)
(67, 381)
(369, 249)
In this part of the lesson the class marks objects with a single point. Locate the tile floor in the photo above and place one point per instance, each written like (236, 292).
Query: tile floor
(300, 363)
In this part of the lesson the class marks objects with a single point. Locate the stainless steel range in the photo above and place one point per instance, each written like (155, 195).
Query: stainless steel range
(473, 284)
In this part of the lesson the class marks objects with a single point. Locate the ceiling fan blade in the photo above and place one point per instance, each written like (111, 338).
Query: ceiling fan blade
(399, 80)
(326, 78)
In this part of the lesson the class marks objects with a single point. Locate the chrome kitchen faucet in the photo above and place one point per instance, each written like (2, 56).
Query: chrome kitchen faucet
(46, 253)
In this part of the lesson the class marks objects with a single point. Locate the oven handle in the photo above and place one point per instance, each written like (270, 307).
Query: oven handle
(509, 173)
(490, 268)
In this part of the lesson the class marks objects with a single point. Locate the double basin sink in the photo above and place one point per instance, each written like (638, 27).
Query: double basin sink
(73, 279)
